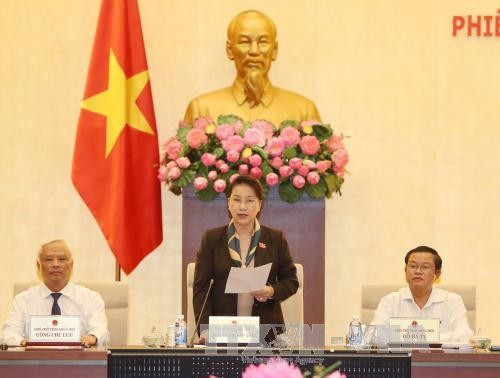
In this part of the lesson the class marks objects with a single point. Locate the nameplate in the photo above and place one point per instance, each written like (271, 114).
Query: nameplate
(233, 330)
(414, 330)
(54, 328)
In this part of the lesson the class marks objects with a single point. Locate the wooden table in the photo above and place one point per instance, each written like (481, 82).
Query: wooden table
(443, 364)
(17, 363)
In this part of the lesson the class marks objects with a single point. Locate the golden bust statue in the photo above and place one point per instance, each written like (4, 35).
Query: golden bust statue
(251, 43)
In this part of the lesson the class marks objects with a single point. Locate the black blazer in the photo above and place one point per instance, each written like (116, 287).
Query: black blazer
(213, 261)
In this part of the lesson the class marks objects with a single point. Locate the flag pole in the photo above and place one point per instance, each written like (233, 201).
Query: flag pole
(118, 271)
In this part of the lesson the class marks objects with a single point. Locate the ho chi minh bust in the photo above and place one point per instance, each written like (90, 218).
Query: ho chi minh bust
(251, 43)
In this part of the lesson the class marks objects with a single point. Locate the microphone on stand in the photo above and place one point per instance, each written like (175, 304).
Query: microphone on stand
(201, 312)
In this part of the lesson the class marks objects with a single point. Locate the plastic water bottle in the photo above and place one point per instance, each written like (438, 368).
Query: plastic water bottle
(355, 333)
(180, 332)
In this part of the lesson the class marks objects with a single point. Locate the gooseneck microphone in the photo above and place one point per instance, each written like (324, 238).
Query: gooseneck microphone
(201, 312)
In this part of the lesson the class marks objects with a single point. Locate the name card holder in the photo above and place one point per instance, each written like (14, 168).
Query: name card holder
(54, 332)
(236, 330)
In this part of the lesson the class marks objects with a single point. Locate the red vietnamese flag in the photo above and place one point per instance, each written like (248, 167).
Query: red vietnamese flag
(116, 153)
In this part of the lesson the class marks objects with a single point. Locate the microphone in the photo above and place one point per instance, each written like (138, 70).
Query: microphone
(201, 312)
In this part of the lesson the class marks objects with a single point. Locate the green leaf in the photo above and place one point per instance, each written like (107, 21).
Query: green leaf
(202, 170)
(289, 193)
(290, 152)
(218, 152)
(182, 132)
(207, 194)
(324, 372)
(322, 132)
(333, 183)
(187, 175)
(289, 122)
(260, 151)
(318, 190)
(266, 169)
(229, 119)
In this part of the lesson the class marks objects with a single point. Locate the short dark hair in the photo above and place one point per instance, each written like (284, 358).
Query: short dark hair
(438, 262)
(252, 183)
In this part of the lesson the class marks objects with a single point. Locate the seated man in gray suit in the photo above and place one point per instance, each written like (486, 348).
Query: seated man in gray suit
(56, 295)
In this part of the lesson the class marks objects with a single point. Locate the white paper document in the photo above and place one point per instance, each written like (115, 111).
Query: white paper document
(246, 280)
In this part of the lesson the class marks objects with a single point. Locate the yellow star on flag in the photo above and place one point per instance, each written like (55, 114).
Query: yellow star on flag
(118, 102)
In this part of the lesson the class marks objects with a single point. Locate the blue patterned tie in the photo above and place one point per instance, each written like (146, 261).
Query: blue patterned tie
(56, 310)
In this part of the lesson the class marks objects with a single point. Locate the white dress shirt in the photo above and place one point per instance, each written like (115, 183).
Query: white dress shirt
(448, 307)
(75, 300)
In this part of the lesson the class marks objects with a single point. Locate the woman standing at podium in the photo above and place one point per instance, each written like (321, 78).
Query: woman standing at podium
(244, 242)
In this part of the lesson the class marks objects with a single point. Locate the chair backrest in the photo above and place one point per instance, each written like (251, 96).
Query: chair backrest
(292, 307)
(115, 296)
(371, 294)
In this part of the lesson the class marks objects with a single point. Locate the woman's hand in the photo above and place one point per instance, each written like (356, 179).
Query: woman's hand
(263, 294)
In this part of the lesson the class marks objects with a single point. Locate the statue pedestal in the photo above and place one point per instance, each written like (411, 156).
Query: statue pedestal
(302, 222)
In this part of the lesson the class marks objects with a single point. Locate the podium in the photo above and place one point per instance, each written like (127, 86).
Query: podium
(303, 223)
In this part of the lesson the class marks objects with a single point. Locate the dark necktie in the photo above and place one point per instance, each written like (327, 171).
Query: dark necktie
(56, 310)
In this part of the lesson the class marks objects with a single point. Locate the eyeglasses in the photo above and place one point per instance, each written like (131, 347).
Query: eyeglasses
(424, 268)
(237, 201)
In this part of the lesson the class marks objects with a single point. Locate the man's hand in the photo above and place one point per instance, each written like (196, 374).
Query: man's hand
(88, 341)
(263, 294)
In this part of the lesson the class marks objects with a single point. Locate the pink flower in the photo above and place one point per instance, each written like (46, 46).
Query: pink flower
(275, 146)
(303, 171)
(196, 138)
(202, 122)
(212, 175)
(219, 185)
(173, 148)
(255, 160)
(174, 173)
(272, 179)
(256, 172)
(313, 178)
(265, 126)
(234, 142)
(224, 168)
(232, 156)
(275, 368)
(277, 162)
(219, 163)
(171, 164)
(233, 177)
(323, 165)
(295, 163)
(309, 145)
(309, 164)
(224, 131)
(334, 143)
(255, 137)
(340, 160)
(208, 159)
(299, 181)
(290, 135)
(200, 183)
(243, 169)
(238, 125)
(162, 173)
(183, 162)
(285, 171)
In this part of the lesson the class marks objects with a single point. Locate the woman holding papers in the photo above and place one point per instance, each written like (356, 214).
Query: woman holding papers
(243, 243)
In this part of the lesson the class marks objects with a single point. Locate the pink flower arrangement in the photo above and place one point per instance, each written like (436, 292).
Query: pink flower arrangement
(280, 368)
(296, 157)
